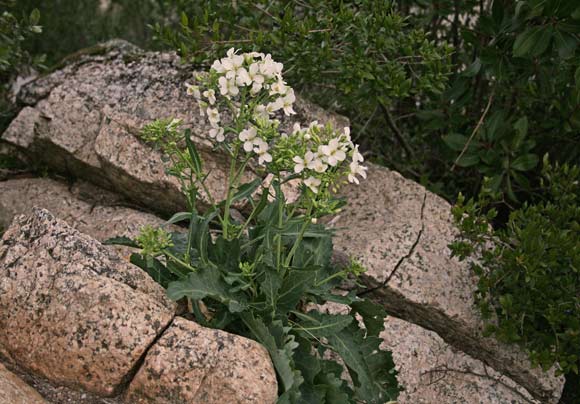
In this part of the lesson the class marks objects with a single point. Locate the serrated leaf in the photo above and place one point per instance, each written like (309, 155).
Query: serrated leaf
(154, 268)
(206, 282)
(293, 289)
(281, 358)
(319, 325)
(367, 364)
(373, 315)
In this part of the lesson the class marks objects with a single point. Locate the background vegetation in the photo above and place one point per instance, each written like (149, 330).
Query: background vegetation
(454, 94)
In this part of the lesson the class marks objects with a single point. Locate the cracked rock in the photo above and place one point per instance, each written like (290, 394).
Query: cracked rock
(400, 233)
(83, 206)
(13, 390)
(193, 364)
(71, 310)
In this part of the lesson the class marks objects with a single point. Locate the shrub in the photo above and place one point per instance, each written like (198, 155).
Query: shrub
(529, 272)
(262, 275)
(14, 58)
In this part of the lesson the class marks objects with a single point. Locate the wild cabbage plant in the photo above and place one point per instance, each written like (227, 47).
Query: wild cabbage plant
(263, 273)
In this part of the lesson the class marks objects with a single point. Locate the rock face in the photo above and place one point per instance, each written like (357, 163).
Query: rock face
(14, 391)
(72, 311)
(400, 233)
(83, 206)
(193, 364)
(431, 371)
(82, 120)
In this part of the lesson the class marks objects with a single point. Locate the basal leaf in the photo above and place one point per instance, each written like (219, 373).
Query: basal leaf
(281, 358)
(318, 325)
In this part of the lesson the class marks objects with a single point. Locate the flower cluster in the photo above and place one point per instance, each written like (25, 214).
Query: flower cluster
(251, 88)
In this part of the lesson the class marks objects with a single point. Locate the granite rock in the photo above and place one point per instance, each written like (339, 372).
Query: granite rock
(400, 232)
(193, 364)
(13, 390)
(71, 310)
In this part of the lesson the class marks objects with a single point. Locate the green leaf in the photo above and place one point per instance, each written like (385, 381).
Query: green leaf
(206, 282)
(525, 162)
(34, 17)
(195, 158)
(125, 241)
(356, 351)
(455, 141)
(247, 190)
(318, 325)
(281, 358)
(184, 19)
(526, 41)
(473, 68)
(373, 315)
(293, 289)
(566, 44)
(154, 268)
(543, 41)
(468, 160)
(178, 217)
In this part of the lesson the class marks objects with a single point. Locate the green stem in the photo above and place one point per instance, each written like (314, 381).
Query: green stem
(300, 236)
(280, 225)
(226, 220)
(179, 261)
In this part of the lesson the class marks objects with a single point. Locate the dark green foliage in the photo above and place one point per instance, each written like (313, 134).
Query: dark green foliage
(516, 69)
(15, 29)
(414, 104)
(529, 272)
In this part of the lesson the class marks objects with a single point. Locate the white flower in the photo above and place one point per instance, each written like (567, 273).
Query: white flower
(356, 169)
(228, 87)
(217, 134)
(274, 106)
(296, 128)
(243, 77)
(347, 137)
(213, 116)
(317, 164)
(232, 63)
(218, 67)
(260, 112)
(261, 150)
(256, 78)
(307, 162)
(248, 136)
(279, 87)
(193, 90)
(269, 68)
(356, 156)
(287, 102)
(333, 152)
(210, 95)
(312, 183)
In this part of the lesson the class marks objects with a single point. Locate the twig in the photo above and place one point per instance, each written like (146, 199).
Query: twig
(475, 130)
(396, 130)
